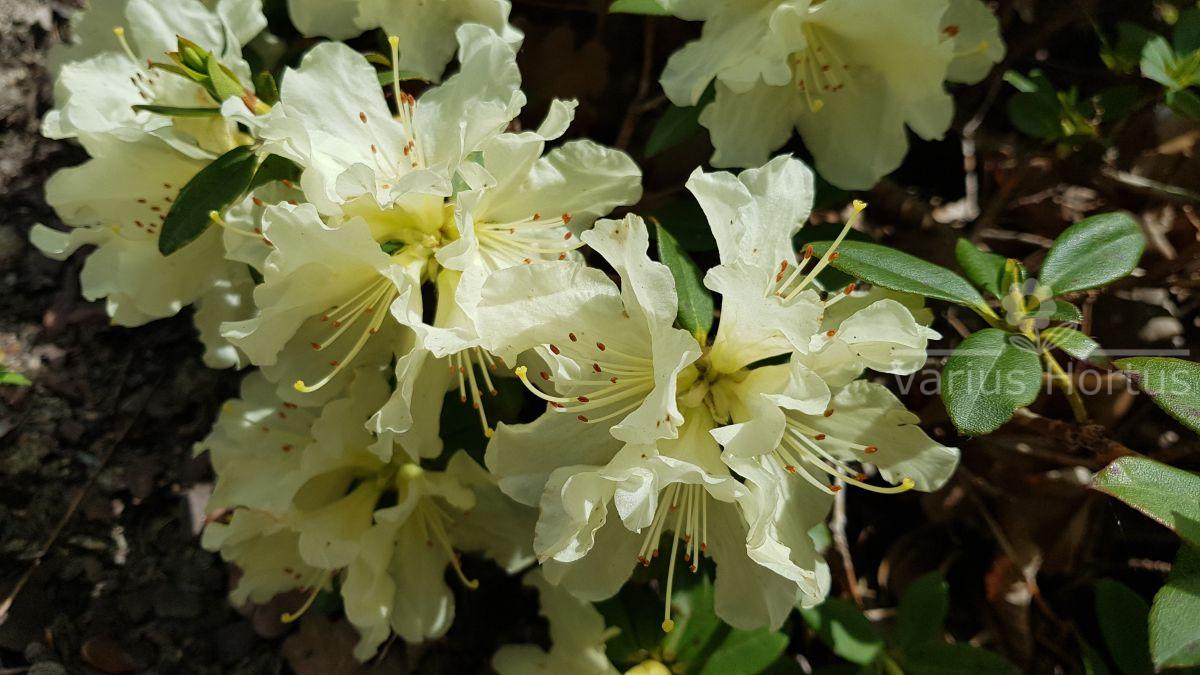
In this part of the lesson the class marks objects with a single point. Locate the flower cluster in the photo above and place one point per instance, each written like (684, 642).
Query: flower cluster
(425, 245)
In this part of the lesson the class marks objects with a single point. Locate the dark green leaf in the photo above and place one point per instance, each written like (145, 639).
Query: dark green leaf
(677, 125)
(1122, 615)
(1065, 311)
(955, 659)
(695, 301)
(1185, 102)
(1175, 616)
(1075, 343)
(1174, 384)
(922, 611)
(179, 112)
(651, 7)
(1036, 115)
(687, 222)
(1093, 662)
(636, 611)
(1116, 103)
(887, 267)
(985, 269)
(1093, 252)
(745, 652)
(274, 168)
(1127, 53)
(987, 378)
(845, 630)
(1164, 493)
(215, 188)
(696, 624)
(1185, 37)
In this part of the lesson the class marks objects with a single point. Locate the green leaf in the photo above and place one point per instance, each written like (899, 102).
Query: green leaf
(984, 269)
(1158, 60)
(1185, 102)
(13, 379)
(1122, 615)
(1185, 37)
(1093, 662)
(955, 659)
(677, 125)
(274, 168)
(385, 77)
(745, 652)
(1075, 343)
(922, 611)
(1127, 53)
(650, 7)
(1116, 103)
(986, 379)
(1164, 493)
(696, 624)
(636, 611)
(687, 222)
(1093, 252)
(1175, 616)
(215, 188)
(887, 267)
(1036, 115)
(1173, 384)
(695, 301)
(845, 630)
(179, 112)
(1065, 311)
(225, 84)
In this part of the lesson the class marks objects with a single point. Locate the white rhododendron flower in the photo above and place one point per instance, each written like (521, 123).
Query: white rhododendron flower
(849, 75)
(311, 501)
(577, 637)
(652, 410)
(426, 29)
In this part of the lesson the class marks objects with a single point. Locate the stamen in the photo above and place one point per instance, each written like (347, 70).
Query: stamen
(830, 255)
(433, 520)
(378, 293)
(317, 585)
(119, 31)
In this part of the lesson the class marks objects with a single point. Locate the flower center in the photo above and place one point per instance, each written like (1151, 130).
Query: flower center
(523, 241)
(802, 445)
(359, 318)
(819, 69)
(619, 382)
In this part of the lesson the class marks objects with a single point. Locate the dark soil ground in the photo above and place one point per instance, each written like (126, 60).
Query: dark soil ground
(101, 500)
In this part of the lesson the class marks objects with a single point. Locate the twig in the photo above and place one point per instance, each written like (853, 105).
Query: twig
(635, 110)
(1151, 187)
(837, 528)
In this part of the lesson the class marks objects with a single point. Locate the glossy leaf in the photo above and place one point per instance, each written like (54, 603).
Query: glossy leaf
(1065, 311)
(1164, 493)
(274, 168)
(1122, 615)
(677, 125)
(745, 652)
(215, 188)
(1175, 615)
(984, 269)
(1075, 343)
(845, 630)
(1174, 384)
(922, 611)
(987, 378)
(13, 379)
(1093, 252)
(695, 301)
(887, 267)
(696, 624)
